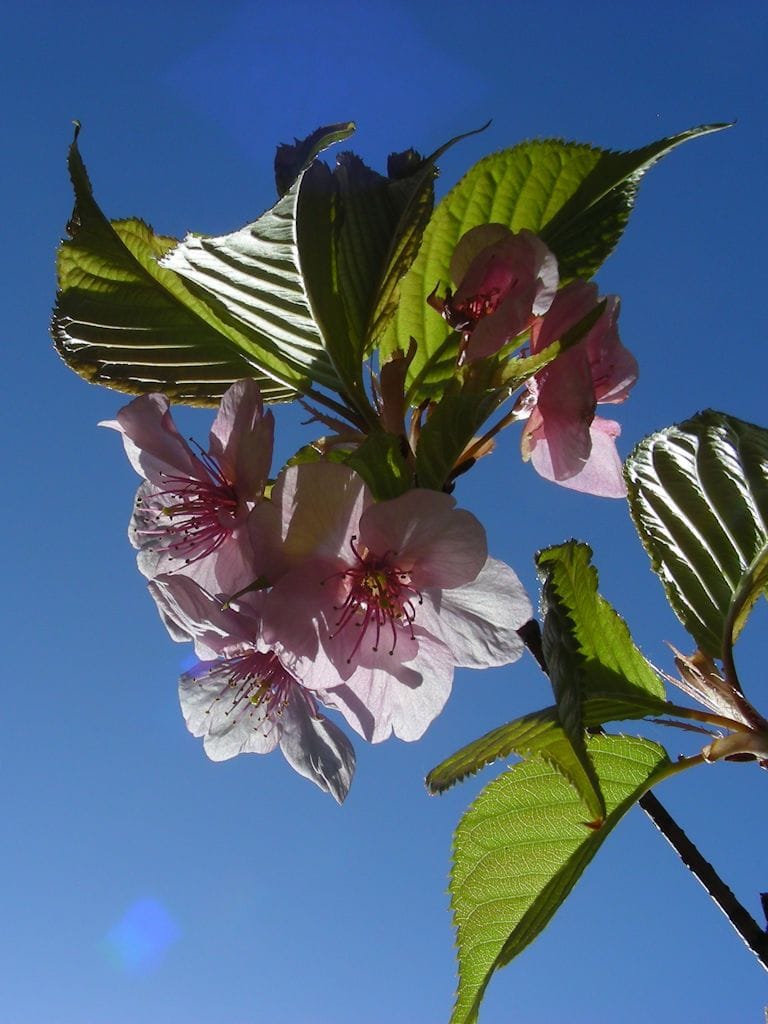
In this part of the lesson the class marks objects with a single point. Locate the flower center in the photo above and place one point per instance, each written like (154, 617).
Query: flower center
(379, 596)
(257, 686)
(192, 517)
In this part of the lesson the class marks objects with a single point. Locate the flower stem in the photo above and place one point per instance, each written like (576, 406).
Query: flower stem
(755, 937)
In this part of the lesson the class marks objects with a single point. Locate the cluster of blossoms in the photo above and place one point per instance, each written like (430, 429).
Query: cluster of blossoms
(507, 284)
(304, 592)
(307, 593)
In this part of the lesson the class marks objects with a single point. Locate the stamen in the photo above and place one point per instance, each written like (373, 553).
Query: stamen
(262, 688)
(378, 593)
(190, 517)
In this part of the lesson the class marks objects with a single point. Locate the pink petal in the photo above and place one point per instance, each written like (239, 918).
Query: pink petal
(601, 473)
(316, 748)
(517, 271)
(614, 368)
(320, 505)
(242, 437)
(440, 545)
(399, 699)
(566, 406)
(571, 304)
(152, 443)
(478, 622)
(209, 713)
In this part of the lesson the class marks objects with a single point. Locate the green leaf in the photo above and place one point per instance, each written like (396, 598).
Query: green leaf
(698, 494)
(452, 423)
(255, 276)
(577, 197)
(291, 160)
(122, 321)
(358, 233)
(522, 846)
(139, 313)
(588, 652)
(379, 460)
(538, 733)
(603, 656)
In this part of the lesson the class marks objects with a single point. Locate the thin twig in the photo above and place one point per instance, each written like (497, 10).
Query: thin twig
(750, 931)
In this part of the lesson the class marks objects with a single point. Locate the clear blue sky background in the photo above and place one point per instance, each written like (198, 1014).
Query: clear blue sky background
(139, 882)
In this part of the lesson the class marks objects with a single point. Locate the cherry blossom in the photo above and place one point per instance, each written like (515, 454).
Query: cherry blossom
(389, 596)
(505, 280)
(190, 514)
(563, 438)
(241, 698)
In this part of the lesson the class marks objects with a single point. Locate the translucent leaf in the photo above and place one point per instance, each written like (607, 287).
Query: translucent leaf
(577, 197)
(538, 733)
(522, 846)
(604, 656)
(698, 494)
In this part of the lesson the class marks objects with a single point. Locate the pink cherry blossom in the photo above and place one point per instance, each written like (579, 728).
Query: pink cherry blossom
(389, 596)
(505, 280)
(241, 698)
(564, 439)
(190, 514)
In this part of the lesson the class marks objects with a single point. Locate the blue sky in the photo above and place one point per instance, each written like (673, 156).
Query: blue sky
(141, 882)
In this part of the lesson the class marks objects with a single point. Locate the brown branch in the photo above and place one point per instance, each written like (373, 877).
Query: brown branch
(750, 931)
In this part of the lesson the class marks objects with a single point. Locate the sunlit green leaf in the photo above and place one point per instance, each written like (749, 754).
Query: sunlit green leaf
(139, 312)
(608, 661)
(538, 733)
(698, 493)
(124, 322)
(522, 846)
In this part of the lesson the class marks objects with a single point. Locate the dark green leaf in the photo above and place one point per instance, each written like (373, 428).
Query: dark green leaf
(698, 494)
(291, 160)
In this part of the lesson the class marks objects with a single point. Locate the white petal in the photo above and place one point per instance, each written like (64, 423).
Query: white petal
(478, 622)
(316, 748)
(395, 698)
(228, 722)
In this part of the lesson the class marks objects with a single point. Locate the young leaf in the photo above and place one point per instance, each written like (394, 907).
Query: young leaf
(698, 494)
(452, 423)
(358, 232)
(522, 846)
(578, 198)
(380, 462)
(538, 733)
